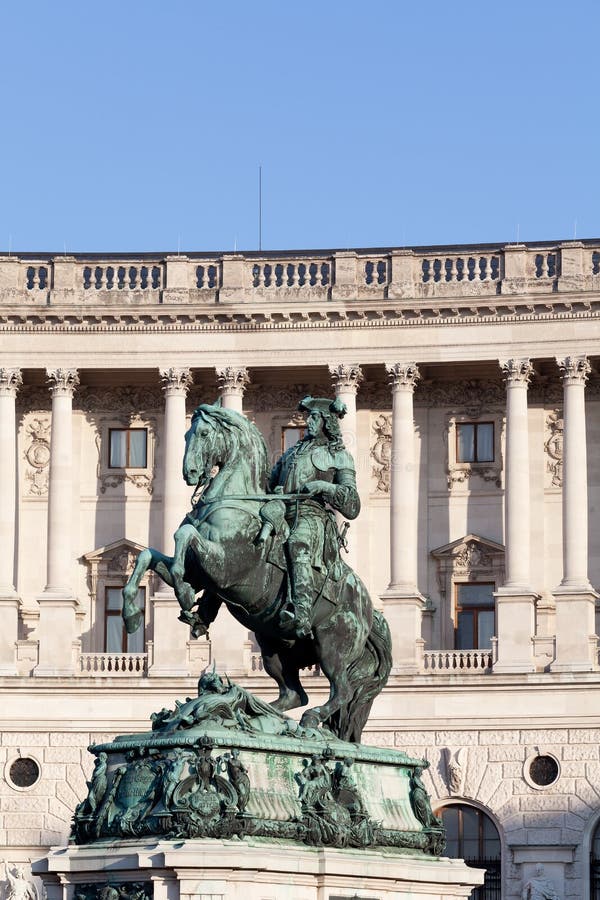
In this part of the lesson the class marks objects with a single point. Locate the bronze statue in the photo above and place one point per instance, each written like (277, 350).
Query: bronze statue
(244, 531)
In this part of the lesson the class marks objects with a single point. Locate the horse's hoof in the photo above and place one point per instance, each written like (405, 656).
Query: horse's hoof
(310, 720)
(133, 621)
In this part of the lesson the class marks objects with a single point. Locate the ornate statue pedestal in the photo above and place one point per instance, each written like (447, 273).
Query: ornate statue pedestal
(249, 869)
(227, 798)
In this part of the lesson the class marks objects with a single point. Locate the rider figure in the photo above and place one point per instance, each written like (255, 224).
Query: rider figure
(318, 465)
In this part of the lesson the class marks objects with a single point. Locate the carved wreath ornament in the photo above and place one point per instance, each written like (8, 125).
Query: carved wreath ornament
(37, 455)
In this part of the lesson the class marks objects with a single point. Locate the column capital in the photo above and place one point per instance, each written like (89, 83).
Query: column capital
(403, 376)
(233, 379)
(10, 382)
(176, 381)
(574, 369)
(346, 377)
(62, 382)
(517, 371)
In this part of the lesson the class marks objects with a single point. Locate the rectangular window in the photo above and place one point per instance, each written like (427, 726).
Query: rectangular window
(116, 639)
(475, 616)
(128, 448)
(474, 442)
(290, 435)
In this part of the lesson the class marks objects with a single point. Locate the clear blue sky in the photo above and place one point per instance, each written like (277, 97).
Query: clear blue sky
(140, 125)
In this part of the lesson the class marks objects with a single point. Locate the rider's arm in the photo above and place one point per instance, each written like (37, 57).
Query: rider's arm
(344, 496)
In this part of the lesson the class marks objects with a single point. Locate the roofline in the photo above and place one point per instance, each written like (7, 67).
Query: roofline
(294, 253)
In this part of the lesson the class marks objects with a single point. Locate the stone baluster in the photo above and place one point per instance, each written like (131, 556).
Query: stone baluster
(57, 625)
(515, 600)
(575, 597)
(346, 379)
(233, 381)
(10, 381)
(171, 639)
(403, 603)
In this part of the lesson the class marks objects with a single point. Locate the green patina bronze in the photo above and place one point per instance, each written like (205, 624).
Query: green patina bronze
(226, 764)
(267, 545)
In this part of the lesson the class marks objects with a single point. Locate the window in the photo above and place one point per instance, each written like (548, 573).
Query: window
(472, 836)
(595, 865)
(128, 448)
(290, 435)
(116, 639)
(475, 442)
(475, 616)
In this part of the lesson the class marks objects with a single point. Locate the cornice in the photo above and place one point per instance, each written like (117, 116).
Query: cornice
(329, 315)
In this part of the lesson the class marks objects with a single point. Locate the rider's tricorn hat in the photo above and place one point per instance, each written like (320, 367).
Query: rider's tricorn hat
(323, 405)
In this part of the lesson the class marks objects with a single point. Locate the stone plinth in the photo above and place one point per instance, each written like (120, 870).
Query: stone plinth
(252, 869)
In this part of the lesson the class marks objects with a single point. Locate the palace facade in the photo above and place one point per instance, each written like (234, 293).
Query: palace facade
(473, 392)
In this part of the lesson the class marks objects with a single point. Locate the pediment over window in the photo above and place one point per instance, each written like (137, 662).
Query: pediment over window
(471, 557)
(114, 561)
(118, 557)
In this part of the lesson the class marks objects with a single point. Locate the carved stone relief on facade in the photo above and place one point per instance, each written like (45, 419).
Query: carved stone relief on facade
(553, 447)
(455, 763)
(381, 453)
(37, 429)
(264, 398)
(137, 400)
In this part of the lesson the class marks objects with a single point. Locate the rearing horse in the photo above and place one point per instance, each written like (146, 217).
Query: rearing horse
(218, 555)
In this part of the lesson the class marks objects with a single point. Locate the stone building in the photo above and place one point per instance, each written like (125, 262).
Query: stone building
(471, 380)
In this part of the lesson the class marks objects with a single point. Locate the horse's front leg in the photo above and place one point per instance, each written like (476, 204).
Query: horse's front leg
(211, 559)
(147, 559)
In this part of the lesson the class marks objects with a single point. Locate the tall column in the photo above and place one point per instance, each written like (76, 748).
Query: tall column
(346, 379)
(176, 494)
(515, 600)
(57, 633)
(233, 381)
(228, 636)
(403, 603)
(171, 638)
(575, 597)
(10, 381)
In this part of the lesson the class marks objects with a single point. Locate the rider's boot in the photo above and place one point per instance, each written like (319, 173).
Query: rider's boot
(302, 600)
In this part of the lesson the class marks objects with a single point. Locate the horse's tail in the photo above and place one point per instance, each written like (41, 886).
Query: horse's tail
(366, 675)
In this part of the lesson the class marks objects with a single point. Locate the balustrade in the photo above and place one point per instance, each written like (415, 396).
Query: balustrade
(377, 272)
(122, 277)
(292, 274)
(443, 662)
(401, 274)
(114, 664)
(435, 269)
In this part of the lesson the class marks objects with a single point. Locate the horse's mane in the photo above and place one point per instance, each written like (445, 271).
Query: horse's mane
(246, 441)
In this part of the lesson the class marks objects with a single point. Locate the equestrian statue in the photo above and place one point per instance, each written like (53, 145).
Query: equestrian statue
(268, 547)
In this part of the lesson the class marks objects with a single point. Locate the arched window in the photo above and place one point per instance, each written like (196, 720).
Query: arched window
(472, 836)
(595, 865)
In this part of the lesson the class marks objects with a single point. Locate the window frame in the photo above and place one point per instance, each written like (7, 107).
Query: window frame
(114, 612)
(136, 477)
(457, 609)
(300, 428)
(128, 431)
(476, 425)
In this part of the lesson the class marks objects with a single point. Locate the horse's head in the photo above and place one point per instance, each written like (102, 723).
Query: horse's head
(202, 448)
(224, 438)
